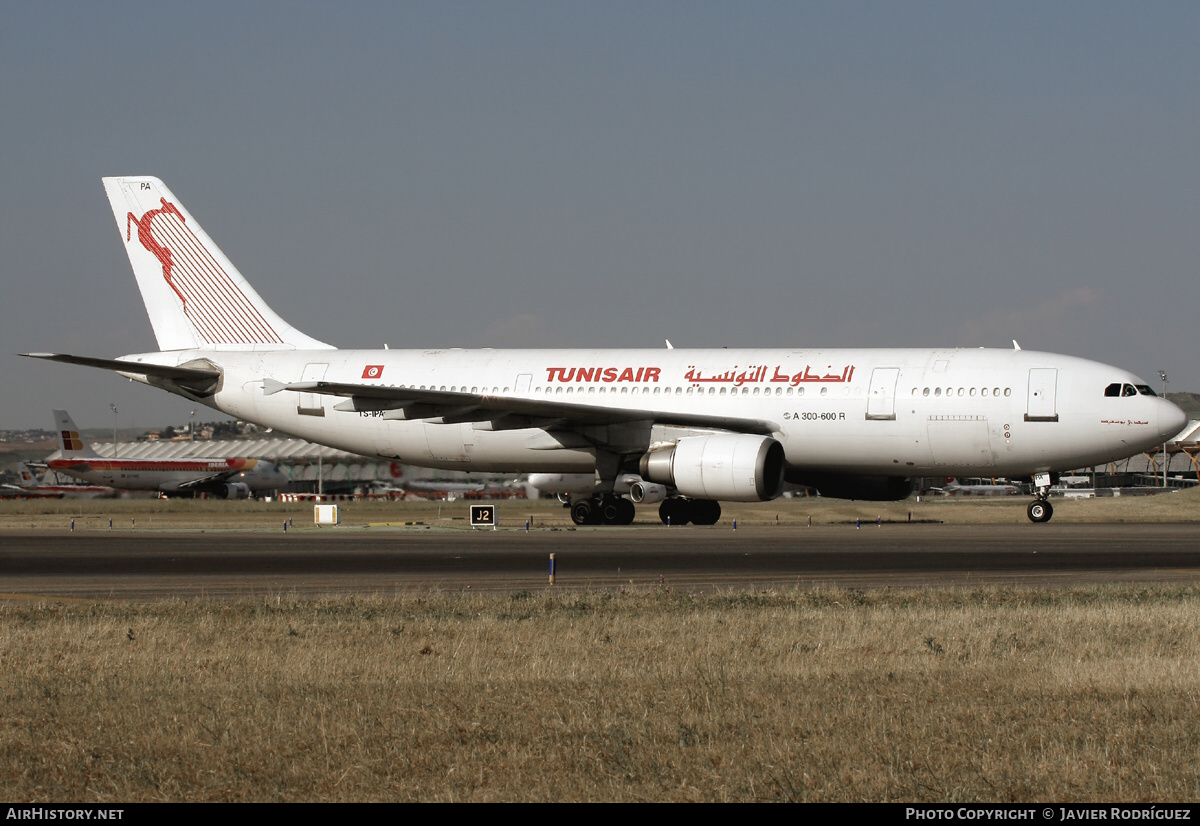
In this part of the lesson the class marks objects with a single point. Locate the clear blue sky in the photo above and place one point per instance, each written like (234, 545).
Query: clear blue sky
(610, 174)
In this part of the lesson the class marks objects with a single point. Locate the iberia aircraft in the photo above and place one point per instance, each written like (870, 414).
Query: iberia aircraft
(685, 428)
(225, 478)
(30, 486)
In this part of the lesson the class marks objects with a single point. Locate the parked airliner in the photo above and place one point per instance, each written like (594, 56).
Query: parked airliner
(686, 428)
(224, 478)
(30, 486)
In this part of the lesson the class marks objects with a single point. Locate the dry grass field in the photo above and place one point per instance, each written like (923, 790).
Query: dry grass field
(938, 695)
(1088, 694)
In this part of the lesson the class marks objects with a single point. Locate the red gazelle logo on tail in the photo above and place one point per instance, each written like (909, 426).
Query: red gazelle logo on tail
(212, 300)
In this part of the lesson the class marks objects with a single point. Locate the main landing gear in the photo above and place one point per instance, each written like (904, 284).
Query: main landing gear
(1040, 510)
(680, 511)
(602, 510)
(617, 510)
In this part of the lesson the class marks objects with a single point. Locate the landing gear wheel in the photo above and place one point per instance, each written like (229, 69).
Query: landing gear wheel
(609, 510)
(675, 512)
(625, 512)
(1040, 511)
(705, 511)
(584, 512)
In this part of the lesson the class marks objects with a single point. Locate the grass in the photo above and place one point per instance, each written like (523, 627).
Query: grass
(1086, 694)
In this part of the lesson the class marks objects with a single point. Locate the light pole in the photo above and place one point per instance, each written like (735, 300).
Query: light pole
(1162, 374)
(193, 417)
(115, 411)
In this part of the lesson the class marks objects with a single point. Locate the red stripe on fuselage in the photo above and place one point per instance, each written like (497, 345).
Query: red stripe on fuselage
(130, 465)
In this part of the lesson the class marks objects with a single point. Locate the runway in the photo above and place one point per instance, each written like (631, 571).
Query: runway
(133, 565)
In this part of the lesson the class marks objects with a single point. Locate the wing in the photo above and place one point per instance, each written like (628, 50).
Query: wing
(206, 481)
(504, 412)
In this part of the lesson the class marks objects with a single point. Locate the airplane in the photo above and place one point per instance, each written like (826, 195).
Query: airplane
(953, 487)
(452, 490)
(692, 426)
(30, 486)
(224, 478)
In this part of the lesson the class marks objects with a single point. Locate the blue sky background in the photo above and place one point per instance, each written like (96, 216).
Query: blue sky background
(531, 174)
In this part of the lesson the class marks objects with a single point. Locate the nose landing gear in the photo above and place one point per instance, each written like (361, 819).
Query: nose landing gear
(1040, 510)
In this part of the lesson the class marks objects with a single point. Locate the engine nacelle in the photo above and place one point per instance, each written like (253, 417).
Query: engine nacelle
(647, 493)
(734, 467)
(235, 490)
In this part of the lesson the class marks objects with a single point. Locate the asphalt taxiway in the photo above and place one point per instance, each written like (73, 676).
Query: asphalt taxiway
(135, 565)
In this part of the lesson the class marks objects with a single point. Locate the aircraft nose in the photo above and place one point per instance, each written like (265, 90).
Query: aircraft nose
(1171, 419)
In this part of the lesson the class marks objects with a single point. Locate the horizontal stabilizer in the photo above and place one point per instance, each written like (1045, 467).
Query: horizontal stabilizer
(163, 371)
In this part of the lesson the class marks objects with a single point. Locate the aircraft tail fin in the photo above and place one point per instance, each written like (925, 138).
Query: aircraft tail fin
(195, 296)
(70, 442)
(28, 479)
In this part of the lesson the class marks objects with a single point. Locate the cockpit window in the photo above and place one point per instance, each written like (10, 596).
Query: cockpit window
(1118, 389)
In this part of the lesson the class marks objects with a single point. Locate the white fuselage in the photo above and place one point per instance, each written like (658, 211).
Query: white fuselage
(891, 412)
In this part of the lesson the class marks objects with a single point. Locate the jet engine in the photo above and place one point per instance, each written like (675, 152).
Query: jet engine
(234, 490)
(647, 493)
(735, 467)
